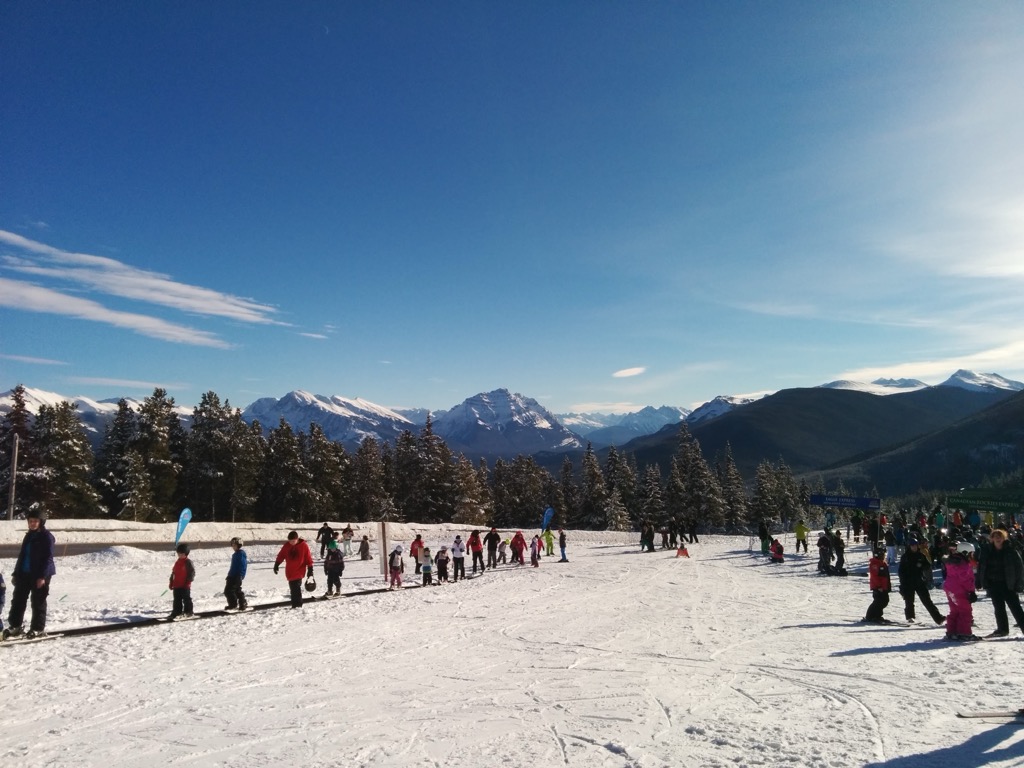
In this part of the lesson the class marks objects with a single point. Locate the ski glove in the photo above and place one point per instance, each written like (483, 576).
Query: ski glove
(309, 572)
(972, 597)
(277, 567)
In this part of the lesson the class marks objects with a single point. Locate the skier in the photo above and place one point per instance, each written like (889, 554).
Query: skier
(298, 562)
(825, 553)
(776, 550)
(764, 534)
(880, 585)
(561, 545)
(549, 542)
(396, 564)
(801, 531)
(182, 575)
(476, 547)
(334, 566)
(31, 576)
(236, 574)
(959, 589)
(492, 540)
(346, 538)
(458, 559)
(324, 536)
(839, 546)
(414, 550)
(518, 546)
(364, 549)
(691, 526)
(503, 552)
(915, 573)
(441, 561)
(1000, 571)
(426, 566)
(535, 546)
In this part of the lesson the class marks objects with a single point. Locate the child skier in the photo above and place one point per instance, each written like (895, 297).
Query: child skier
(880, 585)
(236, 574)
(397, 566)
(959, 589)
(426, 565)
(441, 561)
(182, 575)
(503, 552)
(535, 546)
(334, 566)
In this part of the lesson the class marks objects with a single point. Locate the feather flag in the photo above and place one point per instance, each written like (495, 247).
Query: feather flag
(183, 520)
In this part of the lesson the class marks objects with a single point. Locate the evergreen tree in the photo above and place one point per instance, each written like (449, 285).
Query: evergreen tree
(16, 422)
(152, 443)
(246, 478)
(209, 455)
(137, 497)
(734, 495)
(370, 499)
(652, 506)
(110, 471)
(325, 474)
(570, 493)
(620, 475)
(616, 513)
(437, 492)
(61, 477)
(593, 494)
(286, 491)
(762, 506)
(470, 509)
(405, 477)
(701, 494)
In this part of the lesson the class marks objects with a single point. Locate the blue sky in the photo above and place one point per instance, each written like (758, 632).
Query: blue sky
(601, 205)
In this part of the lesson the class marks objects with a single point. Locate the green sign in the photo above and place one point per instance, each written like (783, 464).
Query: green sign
(986, 503)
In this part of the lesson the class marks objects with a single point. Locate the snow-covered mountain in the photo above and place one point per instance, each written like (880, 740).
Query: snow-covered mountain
(585, 423)
(418, 416)
(722, 404)
(95, 415)
(981, 382)
(878, 386)
(646, 421)
(345, 421)
(501, 423)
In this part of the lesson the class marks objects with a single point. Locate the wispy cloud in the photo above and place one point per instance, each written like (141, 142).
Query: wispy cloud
(1008, 357)
(626, 373)
(313, 335)
(33, 298)
(125, 383)
(32, 360)
(605, 407)
(115, 278)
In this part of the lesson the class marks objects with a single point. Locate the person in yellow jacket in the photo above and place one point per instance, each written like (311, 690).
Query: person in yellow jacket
(549, 542)
(801, 531)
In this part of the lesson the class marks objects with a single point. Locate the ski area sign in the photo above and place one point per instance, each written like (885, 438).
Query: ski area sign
(989, 500)
(854, 502)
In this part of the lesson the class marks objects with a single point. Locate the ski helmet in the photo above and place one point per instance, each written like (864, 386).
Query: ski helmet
(311, 584)
(965, 547)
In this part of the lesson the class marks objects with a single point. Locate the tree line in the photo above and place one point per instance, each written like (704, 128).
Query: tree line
(149, 466)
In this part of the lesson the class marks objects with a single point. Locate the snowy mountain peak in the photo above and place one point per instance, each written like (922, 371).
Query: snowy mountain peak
(343, 420)
(718, 406)
(981, 382)
(878, 386)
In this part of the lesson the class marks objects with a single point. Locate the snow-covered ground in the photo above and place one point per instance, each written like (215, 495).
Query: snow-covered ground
(616, 659)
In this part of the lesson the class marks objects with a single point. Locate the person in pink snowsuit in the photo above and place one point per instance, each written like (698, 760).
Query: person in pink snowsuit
(959, 589)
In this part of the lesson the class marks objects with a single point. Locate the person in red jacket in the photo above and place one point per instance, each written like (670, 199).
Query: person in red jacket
(518, 547)
(182, 575)
(880, 585)
(298, 562)
(476, 547)
(414, 551)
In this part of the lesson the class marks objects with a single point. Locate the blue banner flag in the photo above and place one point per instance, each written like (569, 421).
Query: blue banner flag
(548, 514)
(183, 519)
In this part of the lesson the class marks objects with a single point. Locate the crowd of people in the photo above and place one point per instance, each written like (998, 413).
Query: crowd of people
(964, 554)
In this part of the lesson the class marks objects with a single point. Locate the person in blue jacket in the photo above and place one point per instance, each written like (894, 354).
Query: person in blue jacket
(236, 574)
(31, 577)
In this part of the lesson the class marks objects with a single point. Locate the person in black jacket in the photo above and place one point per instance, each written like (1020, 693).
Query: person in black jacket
(915, 576)
(1001, 573)
(492, 540)
(31, 577)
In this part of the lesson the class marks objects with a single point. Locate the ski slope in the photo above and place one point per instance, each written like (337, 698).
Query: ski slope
(616, 659)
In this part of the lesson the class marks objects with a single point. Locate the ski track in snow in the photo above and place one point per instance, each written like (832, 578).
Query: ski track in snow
(615, 660)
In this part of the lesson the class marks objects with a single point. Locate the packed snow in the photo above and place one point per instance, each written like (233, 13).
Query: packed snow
(615, 659)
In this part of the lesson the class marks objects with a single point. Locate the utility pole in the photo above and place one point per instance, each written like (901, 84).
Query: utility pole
(14, 475)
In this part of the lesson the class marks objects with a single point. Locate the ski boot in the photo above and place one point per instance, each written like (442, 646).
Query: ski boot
(12, 632)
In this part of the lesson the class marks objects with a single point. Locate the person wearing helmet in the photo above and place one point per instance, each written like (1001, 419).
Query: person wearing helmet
(458, 550)
(298, 562)
(182, 575)
(31, 577)
(396, 564)
(959, 588)
(915, 572)
(236, 574)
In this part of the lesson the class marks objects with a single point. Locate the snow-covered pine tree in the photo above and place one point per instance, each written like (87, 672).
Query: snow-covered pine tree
(16, 421)
(652, 507)
(470, 509)
(593, 493)
(152, 442)
(286, 492)
(616, 514)
(61, 479)
(570, 494)
(137, 497)
(110, 470)
(734, 495)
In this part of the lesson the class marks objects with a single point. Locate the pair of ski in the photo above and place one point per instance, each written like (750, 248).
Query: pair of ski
(10, 640)
(995, 714)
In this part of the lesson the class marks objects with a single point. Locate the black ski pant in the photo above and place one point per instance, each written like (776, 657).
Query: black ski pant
(693, 537)
(1003, 597)
(334, 582)
(233, 592)
(799, 542)
(879, 599)
(182, 601)
(926, 601)
(442, 572)
(492, 557)
(24, 589)
(295, 592)
(478, 557)
(459, 568)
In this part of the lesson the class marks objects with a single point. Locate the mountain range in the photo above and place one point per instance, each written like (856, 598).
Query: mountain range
(814, 430)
